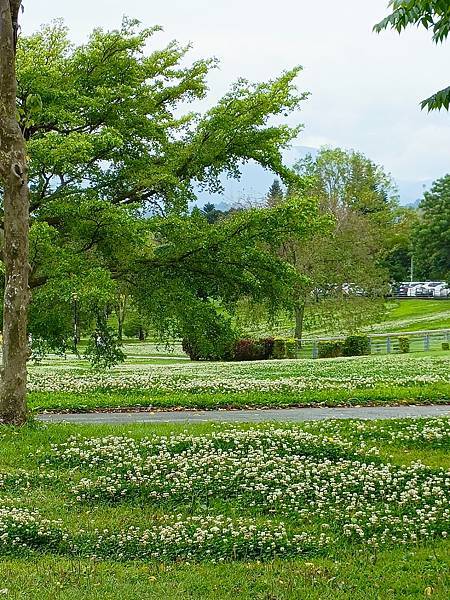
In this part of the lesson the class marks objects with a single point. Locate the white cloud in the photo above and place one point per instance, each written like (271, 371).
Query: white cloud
(365, 87)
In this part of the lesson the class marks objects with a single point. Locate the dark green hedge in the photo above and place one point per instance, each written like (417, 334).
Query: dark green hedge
(403, 345)
(356, 345)
(330, 348)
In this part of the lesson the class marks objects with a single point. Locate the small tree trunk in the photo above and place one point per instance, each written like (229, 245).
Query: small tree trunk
(76, 324)
(13, 174)
(121, 306)
(120, 328)
(299, 314)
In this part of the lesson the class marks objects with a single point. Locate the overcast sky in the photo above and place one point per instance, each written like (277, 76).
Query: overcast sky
(365, 88)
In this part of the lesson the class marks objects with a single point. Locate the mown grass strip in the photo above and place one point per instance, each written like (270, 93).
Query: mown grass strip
(104, 399)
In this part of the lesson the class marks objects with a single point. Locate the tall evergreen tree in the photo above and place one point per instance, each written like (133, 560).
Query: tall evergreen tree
(211, 213)
(275, 194)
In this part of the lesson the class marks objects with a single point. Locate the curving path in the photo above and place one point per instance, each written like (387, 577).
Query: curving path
(250, 416)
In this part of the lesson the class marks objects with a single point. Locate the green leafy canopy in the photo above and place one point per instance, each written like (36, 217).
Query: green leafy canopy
(115, 156)
(430, 14)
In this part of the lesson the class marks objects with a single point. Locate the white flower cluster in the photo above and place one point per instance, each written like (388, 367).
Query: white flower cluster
(415, 432)
(432, 431)
(214, 538)
(19, 479)
(314, 480)
(21, 528)
(262, 376)
(119, 453)
(206, 537)
(286, 491)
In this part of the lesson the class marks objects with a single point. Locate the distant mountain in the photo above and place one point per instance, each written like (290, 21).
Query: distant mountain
(255, 182)
(414, 204)
(411, 192)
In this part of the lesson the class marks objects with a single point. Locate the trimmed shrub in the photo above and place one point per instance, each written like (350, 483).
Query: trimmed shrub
(191, 349)
(445, 346)
(330, 348)
(279, 348)
(268, 346)
(356, 345)
(209, 338)
(403, 345)
(249, 349)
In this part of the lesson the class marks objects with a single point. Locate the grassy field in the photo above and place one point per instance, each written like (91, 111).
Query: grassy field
(399, 315)
(70, 385)
(154, 375)
(319, 510)
(416, 315)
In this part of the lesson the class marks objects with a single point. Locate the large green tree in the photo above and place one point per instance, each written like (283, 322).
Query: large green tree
(397, 248)
(115, 157)
(359, 200)
(14, 250)
(430, 14)
(431, 235)
(341, 178)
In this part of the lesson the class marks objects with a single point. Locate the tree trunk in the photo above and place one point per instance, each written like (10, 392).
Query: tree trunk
(299, 314)
(121, 307)
(120, 327)
(13, 174)
(76, 324)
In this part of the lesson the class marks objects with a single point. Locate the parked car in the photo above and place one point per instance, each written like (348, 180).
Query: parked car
(423, 289)
(441, 290)
(402, 290)
(413, 288)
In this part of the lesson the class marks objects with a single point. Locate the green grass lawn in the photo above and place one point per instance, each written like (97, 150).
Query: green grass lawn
(400, 315)
(417, 573)
(416, 315)
(413, 308)
(413, 378)
(119, 478)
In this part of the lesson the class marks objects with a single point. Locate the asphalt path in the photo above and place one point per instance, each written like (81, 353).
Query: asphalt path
(250, 416)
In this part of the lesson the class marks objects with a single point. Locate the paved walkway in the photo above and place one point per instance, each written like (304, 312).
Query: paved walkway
(252, 416)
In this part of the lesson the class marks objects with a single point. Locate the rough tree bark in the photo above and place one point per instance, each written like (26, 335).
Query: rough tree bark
(13, 176)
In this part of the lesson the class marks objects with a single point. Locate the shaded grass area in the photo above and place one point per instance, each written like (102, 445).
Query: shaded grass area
(416, 573)
(104, 399)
